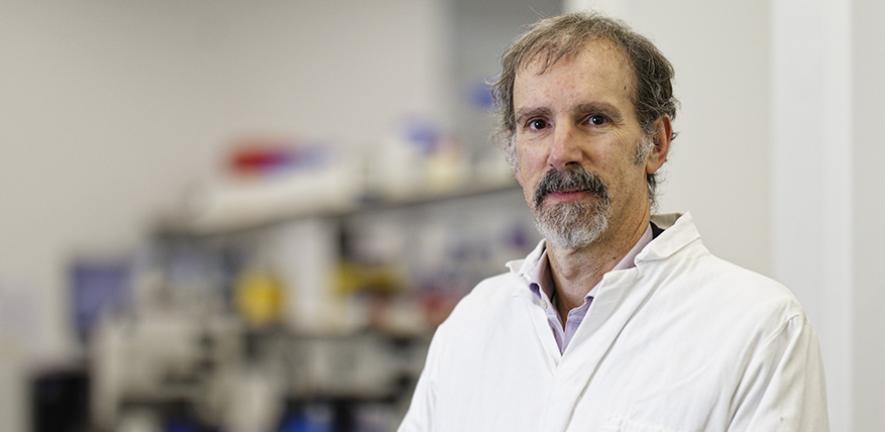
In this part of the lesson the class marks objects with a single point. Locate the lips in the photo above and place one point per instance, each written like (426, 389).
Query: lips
(568, 195)
(567, 191)
(563, 196)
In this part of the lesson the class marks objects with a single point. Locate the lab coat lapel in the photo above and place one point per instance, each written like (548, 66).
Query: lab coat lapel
(619, 297)
(534, 308)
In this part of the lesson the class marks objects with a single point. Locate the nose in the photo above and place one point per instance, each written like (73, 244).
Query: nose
(564, 148)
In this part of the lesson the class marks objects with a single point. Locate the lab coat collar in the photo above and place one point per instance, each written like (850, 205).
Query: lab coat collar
(679, 232)
(522, 267)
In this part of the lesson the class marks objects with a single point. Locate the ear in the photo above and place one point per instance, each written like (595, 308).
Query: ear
(662, 136)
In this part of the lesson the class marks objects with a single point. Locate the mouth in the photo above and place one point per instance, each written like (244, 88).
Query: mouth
(568, 195)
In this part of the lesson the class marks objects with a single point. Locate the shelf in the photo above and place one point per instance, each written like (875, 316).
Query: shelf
(241, 213)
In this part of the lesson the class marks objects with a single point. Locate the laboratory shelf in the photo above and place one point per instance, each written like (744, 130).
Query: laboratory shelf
(250, 217)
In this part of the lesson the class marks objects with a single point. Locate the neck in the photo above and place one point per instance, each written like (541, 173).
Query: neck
(576, 271)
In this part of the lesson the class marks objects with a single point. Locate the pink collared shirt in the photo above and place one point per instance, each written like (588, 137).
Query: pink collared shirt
(541, 284)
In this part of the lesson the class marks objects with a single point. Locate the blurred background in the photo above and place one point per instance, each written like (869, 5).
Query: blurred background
(250, 216)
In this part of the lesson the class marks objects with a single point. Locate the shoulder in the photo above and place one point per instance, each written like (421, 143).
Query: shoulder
(748, 289)
(489, 298)
(727, 296)
(490, 312)
(687, 273)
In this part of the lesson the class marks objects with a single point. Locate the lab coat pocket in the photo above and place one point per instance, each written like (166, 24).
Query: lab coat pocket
(620, 424)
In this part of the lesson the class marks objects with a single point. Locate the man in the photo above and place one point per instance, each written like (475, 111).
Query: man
(618, 320)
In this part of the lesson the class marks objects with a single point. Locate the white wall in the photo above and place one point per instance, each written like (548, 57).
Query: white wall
(868, 65)
(812, 178)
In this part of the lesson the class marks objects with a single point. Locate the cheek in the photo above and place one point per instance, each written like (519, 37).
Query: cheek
(530, 158)
(525, 180)
(629, 180)
(529, 169)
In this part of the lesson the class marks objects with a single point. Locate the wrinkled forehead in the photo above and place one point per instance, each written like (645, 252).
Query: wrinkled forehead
(607, 55)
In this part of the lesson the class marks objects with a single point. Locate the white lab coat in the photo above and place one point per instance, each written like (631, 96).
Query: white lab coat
(684, 341)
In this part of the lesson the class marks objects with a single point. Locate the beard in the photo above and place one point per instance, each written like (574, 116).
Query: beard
(576, 224)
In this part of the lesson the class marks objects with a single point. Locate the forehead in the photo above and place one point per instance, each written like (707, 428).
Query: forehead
(600, 68)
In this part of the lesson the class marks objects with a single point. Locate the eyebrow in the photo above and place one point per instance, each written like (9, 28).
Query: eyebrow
(600, 107)
(523, 113)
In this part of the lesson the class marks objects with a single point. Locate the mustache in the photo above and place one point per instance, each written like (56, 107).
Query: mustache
(570, 180)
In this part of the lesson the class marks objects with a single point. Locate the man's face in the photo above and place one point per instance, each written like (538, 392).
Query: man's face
(578, 145)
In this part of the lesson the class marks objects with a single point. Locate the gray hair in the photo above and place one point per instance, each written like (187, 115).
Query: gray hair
(552, 39)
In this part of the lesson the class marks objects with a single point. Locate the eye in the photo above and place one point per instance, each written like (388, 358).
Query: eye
(537, 124)
(597, 119)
